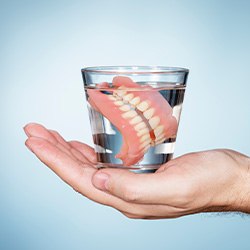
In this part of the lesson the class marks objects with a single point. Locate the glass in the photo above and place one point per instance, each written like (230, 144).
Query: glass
(134, 113)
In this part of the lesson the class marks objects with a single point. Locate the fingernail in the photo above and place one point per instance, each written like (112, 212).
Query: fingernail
(100, 180)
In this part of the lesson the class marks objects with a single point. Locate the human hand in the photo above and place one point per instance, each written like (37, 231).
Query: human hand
(215, 180)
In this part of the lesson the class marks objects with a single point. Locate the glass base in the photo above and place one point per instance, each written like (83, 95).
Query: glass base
(139, 169)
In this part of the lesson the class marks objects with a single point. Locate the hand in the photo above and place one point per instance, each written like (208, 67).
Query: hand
(216, 180)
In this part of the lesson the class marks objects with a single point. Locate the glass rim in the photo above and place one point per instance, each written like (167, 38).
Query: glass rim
(133, 69)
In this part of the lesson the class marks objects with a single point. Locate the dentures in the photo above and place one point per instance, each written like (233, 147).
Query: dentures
(140, 113)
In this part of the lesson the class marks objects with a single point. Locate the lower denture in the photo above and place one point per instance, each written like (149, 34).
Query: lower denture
(110, 106)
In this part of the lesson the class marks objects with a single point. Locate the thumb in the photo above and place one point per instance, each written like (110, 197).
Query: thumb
(157, 188)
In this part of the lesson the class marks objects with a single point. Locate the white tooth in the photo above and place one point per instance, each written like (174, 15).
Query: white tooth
(120, 93)
(112, 98)
(135, 101)
(128, 97)
(158, 130)
(118, 103)
(160, 137)
(135, 120)
(143, 106)
(129, 114)
(142, 132)
(140, 126)
(153, 122)
(125, 108)
(145, 144)
(145, 137)
(149, 113)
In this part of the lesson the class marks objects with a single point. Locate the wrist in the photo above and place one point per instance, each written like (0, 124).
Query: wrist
(242, 202)
(232, 192)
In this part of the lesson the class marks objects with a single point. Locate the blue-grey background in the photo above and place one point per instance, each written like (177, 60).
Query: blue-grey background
(44, 44)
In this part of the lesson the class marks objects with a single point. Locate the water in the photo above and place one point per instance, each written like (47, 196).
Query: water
(108, 139)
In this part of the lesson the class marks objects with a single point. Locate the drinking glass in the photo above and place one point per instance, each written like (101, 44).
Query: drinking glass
(134, 113)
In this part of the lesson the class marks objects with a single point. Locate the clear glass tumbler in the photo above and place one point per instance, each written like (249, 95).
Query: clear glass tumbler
(134, 113)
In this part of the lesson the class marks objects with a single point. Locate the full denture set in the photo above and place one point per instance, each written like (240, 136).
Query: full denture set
(140, 113)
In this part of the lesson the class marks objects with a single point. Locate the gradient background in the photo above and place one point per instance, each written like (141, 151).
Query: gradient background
(44, 44)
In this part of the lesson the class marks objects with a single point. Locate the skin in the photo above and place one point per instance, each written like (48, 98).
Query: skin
(209, 181)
